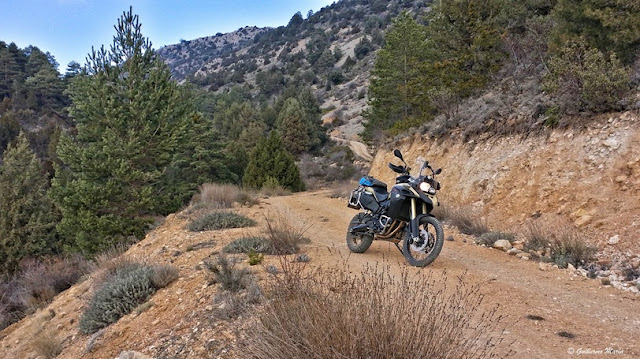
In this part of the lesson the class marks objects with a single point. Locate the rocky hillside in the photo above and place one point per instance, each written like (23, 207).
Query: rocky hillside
(332, 50)
(189, 55)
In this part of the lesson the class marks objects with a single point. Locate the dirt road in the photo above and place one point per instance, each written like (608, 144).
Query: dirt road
(358, 148)
(604, 321)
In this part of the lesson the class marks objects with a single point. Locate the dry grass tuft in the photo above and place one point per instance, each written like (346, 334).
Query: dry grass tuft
(46, 344)
(467, 221)
(366, 320)
(566, 244)
(285, 232)
(216, 195)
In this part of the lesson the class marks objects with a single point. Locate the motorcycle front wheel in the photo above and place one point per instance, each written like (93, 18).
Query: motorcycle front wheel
(427, 247)
(360, 242)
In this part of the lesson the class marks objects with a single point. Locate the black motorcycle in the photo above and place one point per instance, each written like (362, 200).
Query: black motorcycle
(404, 214)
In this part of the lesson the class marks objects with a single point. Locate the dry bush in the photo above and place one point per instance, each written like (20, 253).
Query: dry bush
(537, 237)
(126, 289)
(375, 315)
(225, 273)
(569, 247)
(566, 244)
(46, 344)
(108, 263)
(229, 305)
(36, 283)
(12, 308)
(216, 196)
(274, 191)
(467, 221)
(342, 190)
(163, 275)
(285, 232)
(247, 198)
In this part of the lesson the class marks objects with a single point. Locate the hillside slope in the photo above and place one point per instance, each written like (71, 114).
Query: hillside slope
(180, 324)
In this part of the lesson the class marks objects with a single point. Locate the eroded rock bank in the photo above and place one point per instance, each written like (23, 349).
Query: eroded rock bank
(588, 177)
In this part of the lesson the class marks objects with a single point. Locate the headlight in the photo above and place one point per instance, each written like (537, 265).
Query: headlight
(432, 190)
(424, 187)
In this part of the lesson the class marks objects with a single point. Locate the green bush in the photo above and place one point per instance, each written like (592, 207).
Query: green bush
(270, 159)
(247, 244)
(255, 257)
(117, 297)
(220, 220)
(583, 78)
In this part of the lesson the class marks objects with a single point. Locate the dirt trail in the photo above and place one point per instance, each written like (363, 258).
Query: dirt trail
(178, 324)
(358, 148)
(600, 318)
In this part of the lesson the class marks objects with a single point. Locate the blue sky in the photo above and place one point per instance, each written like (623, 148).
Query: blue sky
(68, 28)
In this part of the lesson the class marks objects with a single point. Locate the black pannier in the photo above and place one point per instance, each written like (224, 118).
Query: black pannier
(399, 206)
(368, 201)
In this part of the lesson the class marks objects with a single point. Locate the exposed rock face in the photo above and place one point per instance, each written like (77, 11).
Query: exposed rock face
(589, 178)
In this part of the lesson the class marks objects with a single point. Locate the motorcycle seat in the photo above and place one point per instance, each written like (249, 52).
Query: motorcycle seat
(381, 193)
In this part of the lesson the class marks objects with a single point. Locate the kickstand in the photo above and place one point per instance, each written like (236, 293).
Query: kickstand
(397, 246)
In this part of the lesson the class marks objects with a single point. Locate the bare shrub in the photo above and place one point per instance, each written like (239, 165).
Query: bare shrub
(216, 195)
(36, 283)
(341, 190)
(467, 221)
(247, 198)
(565, 243)
(229, 305)
(226, 274)
(163, 275)
(434, 321)
(285, 232)
(46, 344)
(569, 247)
(537, 237)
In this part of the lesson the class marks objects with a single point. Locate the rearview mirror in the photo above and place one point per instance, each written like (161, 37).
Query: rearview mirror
(438, 171)
(398, 154)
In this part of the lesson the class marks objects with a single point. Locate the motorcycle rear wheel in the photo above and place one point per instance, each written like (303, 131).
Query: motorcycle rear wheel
(358, 243)
(424, 251)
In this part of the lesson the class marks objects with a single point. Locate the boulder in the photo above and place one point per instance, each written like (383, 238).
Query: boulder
(614, 240)
(132, 355)
(502, 244)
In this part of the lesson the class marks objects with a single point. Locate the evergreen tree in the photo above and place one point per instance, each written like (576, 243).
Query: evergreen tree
(27, 215)
(292, 127)
(395, 91)
(140, 149)
(609, 26)
(270, 160)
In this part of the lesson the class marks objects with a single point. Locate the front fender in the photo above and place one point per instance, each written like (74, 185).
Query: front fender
(415, 224)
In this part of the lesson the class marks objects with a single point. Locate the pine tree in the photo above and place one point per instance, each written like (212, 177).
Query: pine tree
(394, 91)
(140, 148)
(292, 127)
(609, 26)
(270, 160)
(27, 215)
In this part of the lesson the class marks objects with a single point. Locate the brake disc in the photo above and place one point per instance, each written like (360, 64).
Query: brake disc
(421, 244)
